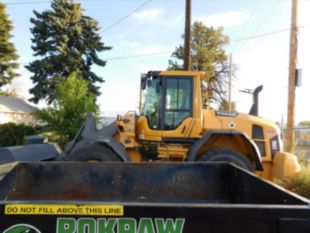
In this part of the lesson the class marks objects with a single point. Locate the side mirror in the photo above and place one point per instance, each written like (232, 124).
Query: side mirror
(143, 81)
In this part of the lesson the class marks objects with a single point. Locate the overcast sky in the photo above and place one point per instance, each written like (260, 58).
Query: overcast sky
(135, 28)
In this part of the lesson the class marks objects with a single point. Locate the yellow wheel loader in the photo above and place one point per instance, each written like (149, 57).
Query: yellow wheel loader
(174, 126)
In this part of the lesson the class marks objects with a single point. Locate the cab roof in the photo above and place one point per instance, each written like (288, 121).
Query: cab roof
(198, 74)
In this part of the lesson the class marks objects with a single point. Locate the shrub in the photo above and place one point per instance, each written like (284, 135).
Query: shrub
(68, 111)
(300, 183)
(12, 134)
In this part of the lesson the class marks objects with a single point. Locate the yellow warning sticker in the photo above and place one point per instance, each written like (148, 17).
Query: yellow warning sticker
(42, 209)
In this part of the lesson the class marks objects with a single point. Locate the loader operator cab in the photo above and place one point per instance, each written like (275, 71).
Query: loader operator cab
(166, 101)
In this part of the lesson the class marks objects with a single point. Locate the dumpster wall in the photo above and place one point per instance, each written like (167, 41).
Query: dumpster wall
(149, 182)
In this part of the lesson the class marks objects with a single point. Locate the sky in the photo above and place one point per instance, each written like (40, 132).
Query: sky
(144, 33)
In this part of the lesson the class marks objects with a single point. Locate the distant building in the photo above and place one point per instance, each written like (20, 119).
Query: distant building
(16, 110)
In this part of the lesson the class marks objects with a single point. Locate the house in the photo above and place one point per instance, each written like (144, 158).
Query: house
(13, 109)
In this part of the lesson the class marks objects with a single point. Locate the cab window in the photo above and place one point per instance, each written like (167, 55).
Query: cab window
(178, 101)
(152, 102)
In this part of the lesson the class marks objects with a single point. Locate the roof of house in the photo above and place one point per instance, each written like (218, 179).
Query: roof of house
(9, 104)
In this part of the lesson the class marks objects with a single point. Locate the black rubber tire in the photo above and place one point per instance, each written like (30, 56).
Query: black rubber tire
(94, 152)
(227, 155)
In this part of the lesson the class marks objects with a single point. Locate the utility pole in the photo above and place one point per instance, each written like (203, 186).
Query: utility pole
(229, 83)
(290, 133)
(188, 36)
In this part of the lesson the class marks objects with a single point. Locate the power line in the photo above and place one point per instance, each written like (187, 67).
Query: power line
(264, 20)
(261, 35)
(250, 17)
(267, 16)
(125, 17)
(26, 3)
(268, 34)
(124, 57)
(237, 40)
(166, 52)
(248, 21)
(136, 56)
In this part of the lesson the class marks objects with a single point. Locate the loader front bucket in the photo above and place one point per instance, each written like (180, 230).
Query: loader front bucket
(138, 183)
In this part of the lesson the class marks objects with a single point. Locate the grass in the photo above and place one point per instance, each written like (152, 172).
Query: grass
(299, 184)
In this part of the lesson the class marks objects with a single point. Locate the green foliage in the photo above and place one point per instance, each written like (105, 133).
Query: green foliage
(8, 55)
(12, 134)
(69, 109)
(4, 93)
(64, 40)
(208, 55)
(304, 123)
(224, 105)
(299, 184)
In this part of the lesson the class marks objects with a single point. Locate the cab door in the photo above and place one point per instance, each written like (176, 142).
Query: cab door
(177, 107)
(149, 122)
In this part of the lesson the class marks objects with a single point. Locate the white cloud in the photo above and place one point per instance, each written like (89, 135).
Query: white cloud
(226, 19)
(159, 17)
(131, 45)
(176, 20)
(149, 15)
(137, 48)
(153, 49)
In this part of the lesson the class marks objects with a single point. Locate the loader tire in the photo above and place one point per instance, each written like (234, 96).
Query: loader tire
(94, 153)
(227, 155)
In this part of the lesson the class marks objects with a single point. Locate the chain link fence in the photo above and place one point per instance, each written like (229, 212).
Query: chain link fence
(302, 141)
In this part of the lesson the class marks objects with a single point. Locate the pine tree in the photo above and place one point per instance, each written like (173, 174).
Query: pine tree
(65, 41)
(208, 55)
(8, 55)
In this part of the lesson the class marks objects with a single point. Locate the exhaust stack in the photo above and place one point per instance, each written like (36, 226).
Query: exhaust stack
(254, 108)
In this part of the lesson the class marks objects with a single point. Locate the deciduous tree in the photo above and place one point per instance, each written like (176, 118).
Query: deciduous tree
(69, 108)
(208, 55)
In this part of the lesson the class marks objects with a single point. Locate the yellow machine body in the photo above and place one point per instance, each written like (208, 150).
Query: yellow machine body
(198, 129)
